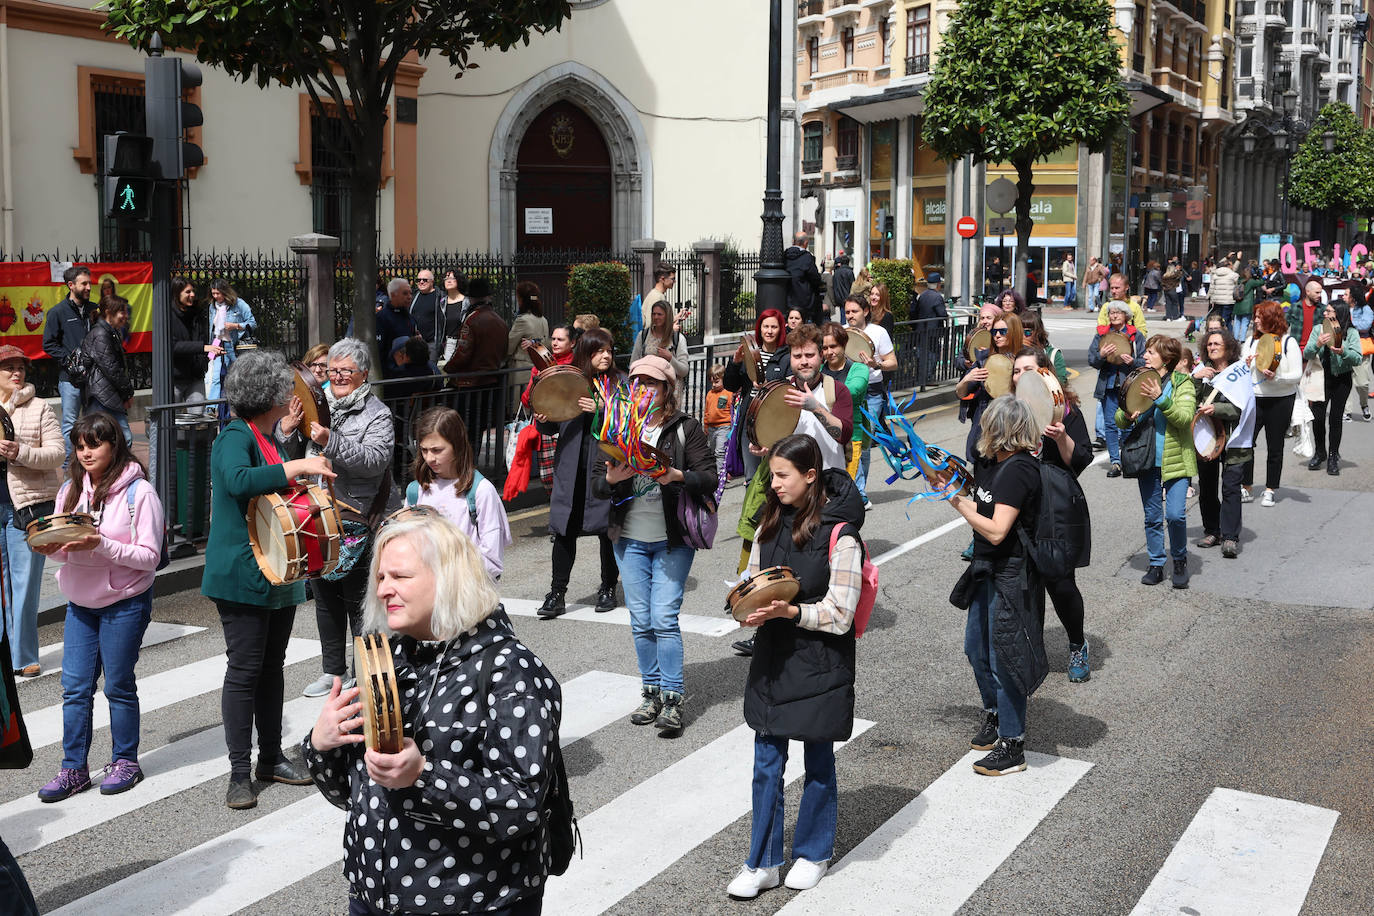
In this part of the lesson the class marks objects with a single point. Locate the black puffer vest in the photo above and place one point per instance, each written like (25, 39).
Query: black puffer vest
(801, 682)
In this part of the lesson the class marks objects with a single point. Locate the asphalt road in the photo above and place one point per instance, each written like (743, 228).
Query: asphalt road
(1253, 680)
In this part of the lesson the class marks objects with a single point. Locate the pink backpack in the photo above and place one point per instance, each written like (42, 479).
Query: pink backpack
(868, 590)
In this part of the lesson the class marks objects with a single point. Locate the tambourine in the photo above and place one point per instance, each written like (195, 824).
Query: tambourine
(61, 528)
(1329, 328)
(776, 583)
(769, 417)
(933, 460)
(1044, 395)
(383, 722)
(541, 357)
(1133, 396)
(312, 397)
(858, 345)
(657, 460)
(981, 339)
(1268, 352)
(999, 367)
(753, 359)
(1209, 437)
(556, 391)
(295, 535)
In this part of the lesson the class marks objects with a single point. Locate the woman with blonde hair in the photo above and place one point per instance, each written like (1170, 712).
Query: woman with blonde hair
(474, 701)
(316, 359)
(1000, 589)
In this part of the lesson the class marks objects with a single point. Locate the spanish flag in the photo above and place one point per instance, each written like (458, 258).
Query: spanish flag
(29, 288)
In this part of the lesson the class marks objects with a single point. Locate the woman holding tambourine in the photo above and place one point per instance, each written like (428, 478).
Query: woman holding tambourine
(1336, 345)
(772, 362)
(358, 443)
(255, 615)
(1275, 360)
(1219, 472)
(574, 511)
(801, 678)
(454, 821)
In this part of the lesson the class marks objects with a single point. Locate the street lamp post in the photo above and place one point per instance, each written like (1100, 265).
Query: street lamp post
(771, 279)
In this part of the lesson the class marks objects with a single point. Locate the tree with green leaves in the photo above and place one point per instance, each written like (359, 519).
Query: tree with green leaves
(345, 53)
(1016, 81)
(1341, 181)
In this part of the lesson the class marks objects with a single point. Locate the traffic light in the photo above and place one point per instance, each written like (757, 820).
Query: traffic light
(128, 176)
(880, 221)
(888, 224)
(169, 116)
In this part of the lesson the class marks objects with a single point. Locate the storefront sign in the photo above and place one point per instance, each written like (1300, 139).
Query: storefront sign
(842, 214)
(1052, 209)
(933, 211)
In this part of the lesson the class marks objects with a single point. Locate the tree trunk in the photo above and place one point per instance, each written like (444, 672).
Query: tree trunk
(364, 180)
(1025, 187)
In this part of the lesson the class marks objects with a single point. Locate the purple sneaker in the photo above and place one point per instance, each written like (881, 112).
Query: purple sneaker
(123, 776)
(65, 784)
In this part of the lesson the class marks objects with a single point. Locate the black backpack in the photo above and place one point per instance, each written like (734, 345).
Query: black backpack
(1061, 540)
(80, 367)
(564, 837)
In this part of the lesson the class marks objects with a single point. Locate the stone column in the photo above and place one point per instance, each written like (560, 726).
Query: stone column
(649, 252)
(318, 252)
(709, 251)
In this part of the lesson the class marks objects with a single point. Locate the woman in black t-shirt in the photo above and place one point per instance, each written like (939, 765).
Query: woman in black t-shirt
(1000, 589)
(1068, 445)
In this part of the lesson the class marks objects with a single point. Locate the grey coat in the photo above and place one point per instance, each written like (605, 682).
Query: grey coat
(573, 460)
(360, 446)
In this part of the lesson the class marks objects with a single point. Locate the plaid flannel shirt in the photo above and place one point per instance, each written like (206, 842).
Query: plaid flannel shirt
(834, 613)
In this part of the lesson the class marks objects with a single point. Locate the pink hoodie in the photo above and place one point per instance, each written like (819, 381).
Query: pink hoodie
(125, 563)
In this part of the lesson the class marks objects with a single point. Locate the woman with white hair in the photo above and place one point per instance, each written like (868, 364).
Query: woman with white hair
(358, 444)
(454, 822)
(1000, 589)
(256, 615)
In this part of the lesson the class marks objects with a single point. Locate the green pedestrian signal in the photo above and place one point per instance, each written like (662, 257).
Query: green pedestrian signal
(128, 198)
(128, 176)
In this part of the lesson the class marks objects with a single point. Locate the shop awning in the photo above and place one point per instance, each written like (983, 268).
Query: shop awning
(895, 103)
(1144, 97)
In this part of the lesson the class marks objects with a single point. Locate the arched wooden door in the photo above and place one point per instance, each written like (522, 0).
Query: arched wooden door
(563, 189)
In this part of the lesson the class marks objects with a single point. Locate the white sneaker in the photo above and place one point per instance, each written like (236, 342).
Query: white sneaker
(319, 688)
(1245, 496)
(750, 881)
(1268, 499)
(806, 874)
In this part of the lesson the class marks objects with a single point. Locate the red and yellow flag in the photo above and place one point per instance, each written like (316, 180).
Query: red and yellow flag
(29, 288)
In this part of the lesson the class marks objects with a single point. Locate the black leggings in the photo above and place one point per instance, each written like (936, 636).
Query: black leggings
(1068, 604)
(255, 640)
(1273, 415)
(565, 554)
(1337, 393)
(339, 614)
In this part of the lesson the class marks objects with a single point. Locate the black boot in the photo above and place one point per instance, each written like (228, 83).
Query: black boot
(605, 598)
(987, 735)
(1181, 573)
(553, 605)
(1333, 465)
(1317, 461)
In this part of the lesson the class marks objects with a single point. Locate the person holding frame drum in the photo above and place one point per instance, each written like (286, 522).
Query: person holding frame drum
(1275, 360)
(1222, 440)
(256, 616)
(1114, 360)
(1335, 346)
(107, 578)
(455, 822)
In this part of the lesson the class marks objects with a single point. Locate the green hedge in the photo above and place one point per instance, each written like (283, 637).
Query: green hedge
(603, 289)
(901, 285)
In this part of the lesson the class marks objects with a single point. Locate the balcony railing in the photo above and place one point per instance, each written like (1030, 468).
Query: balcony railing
(810, 8)
(917, 63)
(1342, 66)
(811, 166)
(847, 163)
(843, 78)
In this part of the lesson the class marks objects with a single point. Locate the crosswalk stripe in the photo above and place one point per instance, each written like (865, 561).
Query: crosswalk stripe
(723, 625)
(934, 853)
(50, 657)
(241, 867)
(640, 833)
(156, 691)
(1242, 854)
(31, 824)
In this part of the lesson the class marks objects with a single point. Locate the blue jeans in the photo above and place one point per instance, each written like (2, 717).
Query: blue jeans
(1070, 294)
(814, 836)
(654, 576)
(23, 580)
(97, 639)
(1173, 509)
(1151, 297)
(71, 409)
(121, 417)
(875, 404)
(997, 694)
(1111, 432)
(1099, 423)
(1240, 326)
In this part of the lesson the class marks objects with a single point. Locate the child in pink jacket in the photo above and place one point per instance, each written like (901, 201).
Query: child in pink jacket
(108, 581)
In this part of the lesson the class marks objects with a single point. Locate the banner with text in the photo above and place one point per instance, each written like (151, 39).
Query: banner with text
(29, 288)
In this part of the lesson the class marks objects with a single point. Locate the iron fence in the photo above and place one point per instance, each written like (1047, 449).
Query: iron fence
(686, 291)
(738, 291)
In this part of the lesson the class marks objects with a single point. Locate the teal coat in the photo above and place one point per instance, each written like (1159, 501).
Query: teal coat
(237, 474)
(1342, 362)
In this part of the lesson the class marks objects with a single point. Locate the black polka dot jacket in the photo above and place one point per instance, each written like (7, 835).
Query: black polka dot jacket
(469, 836)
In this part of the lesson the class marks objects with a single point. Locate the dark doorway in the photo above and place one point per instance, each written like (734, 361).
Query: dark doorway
(563, 192)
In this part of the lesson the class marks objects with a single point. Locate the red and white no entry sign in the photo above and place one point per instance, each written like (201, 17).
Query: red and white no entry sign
(967, 227)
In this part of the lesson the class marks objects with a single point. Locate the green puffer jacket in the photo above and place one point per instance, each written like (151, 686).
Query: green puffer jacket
(1178, 407)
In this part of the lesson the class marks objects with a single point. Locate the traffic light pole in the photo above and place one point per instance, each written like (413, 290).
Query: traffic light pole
(164, 226)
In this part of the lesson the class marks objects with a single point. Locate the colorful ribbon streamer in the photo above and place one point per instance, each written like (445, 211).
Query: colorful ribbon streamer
(902, 456)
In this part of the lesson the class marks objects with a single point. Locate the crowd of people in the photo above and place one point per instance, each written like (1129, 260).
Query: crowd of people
(424, 563)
